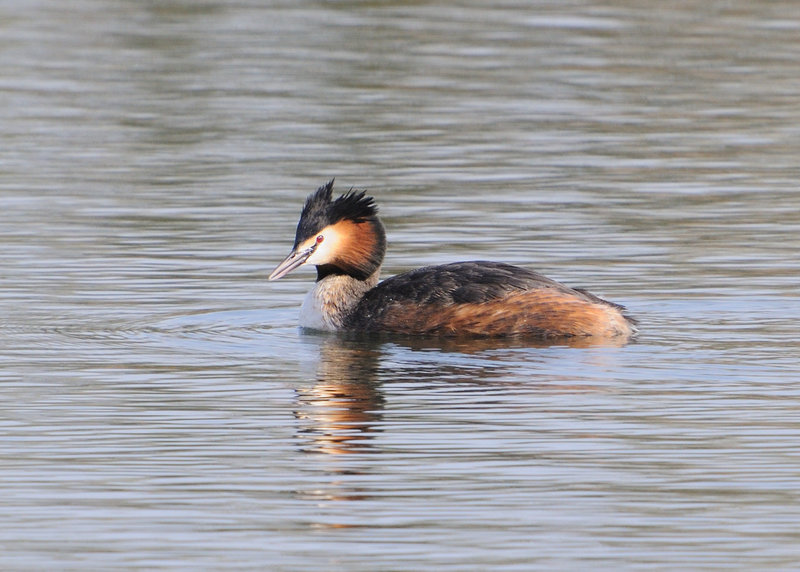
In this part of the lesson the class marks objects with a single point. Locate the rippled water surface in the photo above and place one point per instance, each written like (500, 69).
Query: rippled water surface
(159, 408)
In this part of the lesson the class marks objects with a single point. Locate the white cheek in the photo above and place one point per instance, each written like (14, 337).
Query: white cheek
(321, 255)
(326, 250)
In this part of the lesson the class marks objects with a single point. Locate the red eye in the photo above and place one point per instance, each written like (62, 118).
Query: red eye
(320, 238)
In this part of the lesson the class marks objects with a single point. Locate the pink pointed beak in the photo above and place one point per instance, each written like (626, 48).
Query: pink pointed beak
(294, 260)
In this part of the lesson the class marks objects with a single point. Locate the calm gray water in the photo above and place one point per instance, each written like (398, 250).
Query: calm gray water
(159, 408)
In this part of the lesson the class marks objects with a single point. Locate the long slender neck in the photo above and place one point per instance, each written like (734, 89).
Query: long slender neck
(333, 298)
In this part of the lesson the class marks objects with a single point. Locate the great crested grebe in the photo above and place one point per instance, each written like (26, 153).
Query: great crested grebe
(345, 240)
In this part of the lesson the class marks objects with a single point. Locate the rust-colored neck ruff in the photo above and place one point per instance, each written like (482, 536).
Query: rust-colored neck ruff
(357, 249)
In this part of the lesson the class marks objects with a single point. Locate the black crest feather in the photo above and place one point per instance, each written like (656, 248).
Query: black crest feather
(353, 205)
(322, 210)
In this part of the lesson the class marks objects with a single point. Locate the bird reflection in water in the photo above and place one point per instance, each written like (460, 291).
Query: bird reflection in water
(338, 413)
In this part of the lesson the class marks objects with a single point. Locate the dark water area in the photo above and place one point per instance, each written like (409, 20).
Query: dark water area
(160, 407)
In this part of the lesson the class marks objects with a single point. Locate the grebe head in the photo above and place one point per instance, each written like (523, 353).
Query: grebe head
(341, 236)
